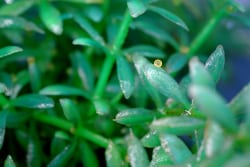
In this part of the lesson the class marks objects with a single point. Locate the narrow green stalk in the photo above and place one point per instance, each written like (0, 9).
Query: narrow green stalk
(205, 32)
(110, 59)
(69, 127)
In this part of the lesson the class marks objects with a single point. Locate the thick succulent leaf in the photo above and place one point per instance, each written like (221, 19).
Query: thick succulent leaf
(214, 106)
(9, 50)
(88, 156)
(9, 162)
(88, 42)
(181, 125)
(137, 7)
(136, 153)
(134, 116)
(112, 156)
(175, 148)
(14, 22)
(176, 62)
(145, 50)
(35, 78)
(84, 1)
(63, 90)
(16, 7)
(169, 16)
(70, 110)
(58, 142)
(3, 117)
(151, 139)
(102, 107)
(125, 76)
(51, 17)
(160, 158)
(215, 63)
(199, 75)
(33, 101)
(164, 83)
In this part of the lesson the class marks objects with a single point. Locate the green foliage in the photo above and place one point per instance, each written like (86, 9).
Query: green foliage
(121, 83)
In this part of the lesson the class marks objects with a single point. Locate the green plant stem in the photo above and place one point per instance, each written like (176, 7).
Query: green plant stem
(68, 126)
(110, 59)
(205, 32)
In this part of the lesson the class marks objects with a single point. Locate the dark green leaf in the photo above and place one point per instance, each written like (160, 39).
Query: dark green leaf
(16, 7)
(9, 162)
(63, 90)
(22, 79)
(112, 156)
(145, 50)
(14, 22)
(169, 16)
(214, 106)
(35, 80)
(175, 148)
(15, 119)
(137, 7)
(125, 76)
(70, 110)
(215, 63)
(88, 156)
(51, 17)
(151, 139)
(160, 158)
(58, 143)
(176, 62)
(136, 153)
(33, 101)
(199, 75)
(9, 50)
(181, 125)
(134, 116)
(3, 117)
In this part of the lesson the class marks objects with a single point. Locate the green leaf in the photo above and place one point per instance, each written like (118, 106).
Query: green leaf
(102, 107)
(199, 75)
(14, 22)
(176, 62)
(214, 106)
(137, 7)
(237, 5)
(22, 79)
(136, 153)
(83, 1)
(241, 160)
(15, 119)
(33, 101)
(89, 42)
(164, 83)
(145, 50)
(3, 117)
(51, 17)
(112, 156)
(9, 50)
(35, 79)
(9, 162)
(63, 90)
(151, 139)
(175, 148)
(70, 110)
(16, 8)
(134, 116)
(160, 158)
(125, 76)
(215, 63)
(88, 156)
(169, 16)
(181, 125)
(58, 142)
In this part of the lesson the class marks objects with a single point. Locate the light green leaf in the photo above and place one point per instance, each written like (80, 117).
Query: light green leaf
(145, 50)
(33, 101)
(240, 160)
(134, 116)
(9, 162)
(176, 62)
(3, 117)
(136, 153)
(112, 156)
(70, 110)
(51, 17)
(169, 16)
(63, 90)
(34, 72)
(160, 158)
(101, 106)
(151, 139)
(88, 42)
(14, 22)
(199, 75)
(83, 1)
(175, 148)
(125, 76)
(16, 8)
(181, 125)
(215, 63)
(9, 50)
(137, 7)
(214, 106)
